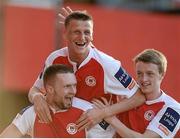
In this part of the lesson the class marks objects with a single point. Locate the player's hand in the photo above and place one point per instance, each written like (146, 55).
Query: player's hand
(90, 118)
(100, 105)
(64, 13)
(93, 116)
(42, 109)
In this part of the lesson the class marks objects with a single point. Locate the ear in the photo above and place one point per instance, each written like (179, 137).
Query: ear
(91, 38)
(162, 75)
(49, 89)
(65, 34)
(49, 94)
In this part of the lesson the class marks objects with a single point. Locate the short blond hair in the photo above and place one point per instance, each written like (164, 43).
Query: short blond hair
(78, 15)
(152, 56)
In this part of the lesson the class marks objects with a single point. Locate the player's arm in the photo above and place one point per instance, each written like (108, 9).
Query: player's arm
(11, 132)
(40, 105)
(35, 96)
(127, 104)
(94, 116)
(126, 132)
(120, 128)
(21, 125)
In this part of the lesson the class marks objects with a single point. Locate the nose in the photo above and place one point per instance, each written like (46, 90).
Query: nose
(82, 36)
(144, 78)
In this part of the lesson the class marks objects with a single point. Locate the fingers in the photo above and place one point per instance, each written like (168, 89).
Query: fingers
(43, 116)
(82, 118)
(42, 110)
(64, 13)
(87, 126)
(97, 103)
(83, 122)
(61, 18)
(69, 10)
(105, 101)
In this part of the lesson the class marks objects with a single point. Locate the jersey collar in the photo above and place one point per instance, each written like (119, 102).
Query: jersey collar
(159, 99)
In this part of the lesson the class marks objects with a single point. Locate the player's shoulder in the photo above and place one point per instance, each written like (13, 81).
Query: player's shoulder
(101, 55)
(27, 109)
(170, 102)
(81, 104)
(25, 114)
(104, 59)
(59, 52)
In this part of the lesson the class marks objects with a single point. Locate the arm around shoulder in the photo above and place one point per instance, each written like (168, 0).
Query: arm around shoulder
(127, 104)
(33, 92)
(126, 132)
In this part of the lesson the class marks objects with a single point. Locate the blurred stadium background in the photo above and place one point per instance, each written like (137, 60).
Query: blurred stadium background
(30, 31)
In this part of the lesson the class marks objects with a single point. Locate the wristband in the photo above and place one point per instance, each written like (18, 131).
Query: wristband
(104, 124)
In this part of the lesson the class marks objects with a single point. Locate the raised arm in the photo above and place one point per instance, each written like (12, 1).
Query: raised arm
(120, 128)
(127, 104)
(35, 96)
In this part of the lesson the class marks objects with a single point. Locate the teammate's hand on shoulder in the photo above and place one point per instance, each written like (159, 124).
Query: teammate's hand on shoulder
(42, 109)
(90, 118)
(93, 116)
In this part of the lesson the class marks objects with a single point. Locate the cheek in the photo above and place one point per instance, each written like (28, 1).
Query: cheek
(89, 38)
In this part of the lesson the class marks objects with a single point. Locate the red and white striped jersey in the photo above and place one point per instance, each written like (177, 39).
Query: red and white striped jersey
(160, 115)
(63, 124)
(98, 74)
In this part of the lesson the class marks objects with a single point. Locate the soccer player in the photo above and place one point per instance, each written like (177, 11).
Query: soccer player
(97, 73)
(60, 85)
(159, 115)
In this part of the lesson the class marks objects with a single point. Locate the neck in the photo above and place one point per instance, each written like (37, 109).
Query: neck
(78, 58)
(55, 108)
(153, 95)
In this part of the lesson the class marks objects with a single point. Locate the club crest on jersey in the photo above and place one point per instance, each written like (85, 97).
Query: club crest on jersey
(90, 81)
(71, 128)
(149, 115)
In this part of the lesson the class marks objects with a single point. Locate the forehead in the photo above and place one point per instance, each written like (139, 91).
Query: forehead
(80, 23)
(144, 67)
(66, 78)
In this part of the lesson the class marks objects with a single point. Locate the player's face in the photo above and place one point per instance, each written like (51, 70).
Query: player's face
(148, 77)
(64, 90)
(78, 35)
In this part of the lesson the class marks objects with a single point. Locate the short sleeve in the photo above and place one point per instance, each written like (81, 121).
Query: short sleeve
(166, 123)
(117, 80)
(24, 120)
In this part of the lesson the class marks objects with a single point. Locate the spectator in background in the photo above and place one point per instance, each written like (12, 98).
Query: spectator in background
(97, 73)
(159, 115)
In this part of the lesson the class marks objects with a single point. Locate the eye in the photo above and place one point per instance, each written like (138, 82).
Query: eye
(87, 32)
(150, 73)
(139, 74)
(66, 86)
(76, 32)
